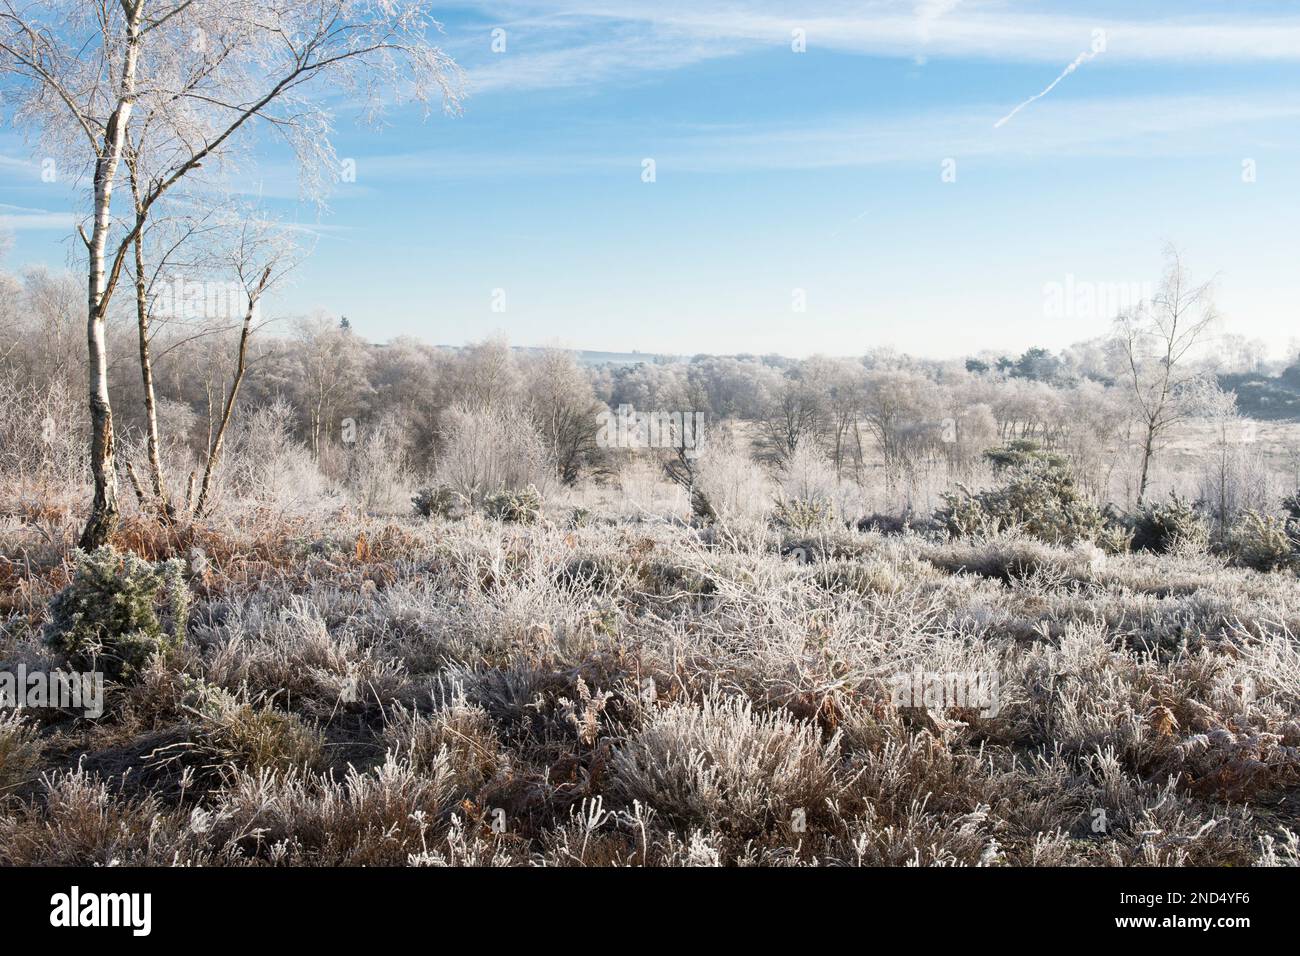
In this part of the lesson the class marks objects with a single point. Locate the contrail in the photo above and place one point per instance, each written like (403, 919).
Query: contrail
(1078, 61)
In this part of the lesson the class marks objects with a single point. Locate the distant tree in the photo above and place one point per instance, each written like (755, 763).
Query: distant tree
(403, 378)
(845, 385)
(901, 410)
(260, 258)
(484, 375)
(1157, 340)
(1233, 476)
(1291, 375)
(332, 371)
(793, 413)
(53, 316)
(563, 409)
(1096, 418)
(1037, 364)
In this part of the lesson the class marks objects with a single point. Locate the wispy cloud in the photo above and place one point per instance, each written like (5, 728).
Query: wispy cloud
(929, 12)
(21, 219)
(23, 166)
(554, 59)
(558, 43)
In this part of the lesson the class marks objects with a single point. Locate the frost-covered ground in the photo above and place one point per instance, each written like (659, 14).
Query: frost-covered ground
(612, 691)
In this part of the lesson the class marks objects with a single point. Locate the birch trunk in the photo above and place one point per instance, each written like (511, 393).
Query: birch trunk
(104, 508)
(146, 360)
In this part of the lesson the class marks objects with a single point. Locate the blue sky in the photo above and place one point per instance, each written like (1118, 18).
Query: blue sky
(819, 171)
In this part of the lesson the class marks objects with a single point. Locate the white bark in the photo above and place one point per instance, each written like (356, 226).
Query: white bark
(104, 508)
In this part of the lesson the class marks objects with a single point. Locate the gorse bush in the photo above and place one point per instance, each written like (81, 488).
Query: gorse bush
(1116, 535)
(521, 506)
(439, 502)
(1265, 542)
(1291, 505)
(1038, 498)
(108, 617)
(1023, 453)
(803, 515)
(968, 515)
(514, 507)
(1162, 527)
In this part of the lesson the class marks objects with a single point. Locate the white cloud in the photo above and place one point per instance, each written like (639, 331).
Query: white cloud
(557, 43)
(620, 54)
(929, 12)
(18, 165)
(21, 219)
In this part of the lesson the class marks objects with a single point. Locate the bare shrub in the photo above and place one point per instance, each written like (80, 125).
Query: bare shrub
(42, 436)
(377, 473)
(265, 465)
(731, 485)
(490, 450)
